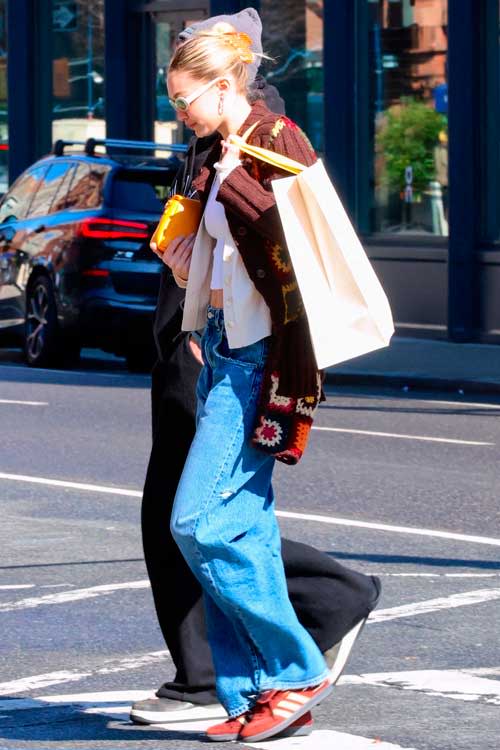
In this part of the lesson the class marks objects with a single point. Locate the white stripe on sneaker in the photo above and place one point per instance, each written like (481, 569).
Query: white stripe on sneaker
(284, 713)
(297, 698)
(292, 705)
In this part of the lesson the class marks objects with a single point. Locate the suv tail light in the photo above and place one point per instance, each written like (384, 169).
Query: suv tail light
(100, 228)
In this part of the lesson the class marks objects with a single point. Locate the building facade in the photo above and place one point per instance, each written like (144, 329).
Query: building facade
(400, 97)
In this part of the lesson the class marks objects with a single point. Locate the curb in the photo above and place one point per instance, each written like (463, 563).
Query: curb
(412, 380)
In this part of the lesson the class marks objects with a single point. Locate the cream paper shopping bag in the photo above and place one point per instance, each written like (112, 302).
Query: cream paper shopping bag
(347, 309)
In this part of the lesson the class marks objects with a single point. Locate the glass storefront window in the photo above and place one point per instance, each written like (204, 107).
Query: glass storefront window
(292, 34)
(409, 100)
(169, 23)
(78, 69)
(4, 131)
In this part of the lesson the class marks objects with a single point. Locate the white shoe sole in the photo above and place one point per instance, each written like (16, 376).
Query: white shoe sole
(185, 714)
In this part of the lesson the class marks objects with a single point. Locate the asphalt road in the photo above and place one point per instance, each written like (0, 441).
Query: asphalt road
(404, 485)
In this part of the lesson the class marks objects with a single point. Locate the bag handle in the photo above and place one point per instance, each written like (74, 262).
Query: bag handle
(264, 154)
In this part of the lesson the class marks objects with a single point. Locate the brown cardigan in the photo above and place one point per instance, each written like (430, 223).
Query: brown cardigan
(291, 387)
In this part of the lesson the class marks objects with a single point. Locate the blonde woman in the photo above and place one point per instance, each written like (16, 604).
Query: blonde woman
(257, 394)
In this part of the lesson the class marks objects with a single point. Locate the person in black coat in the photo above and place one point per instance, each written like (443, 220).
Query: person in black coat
(331, 601)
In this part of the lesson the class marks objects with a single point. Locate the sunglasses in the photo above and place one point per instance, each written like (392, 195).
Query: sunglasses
(181, 103)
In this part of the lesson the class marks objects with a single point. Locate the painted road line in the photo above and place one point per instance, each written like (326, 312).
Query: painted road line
(399, 436)
(480, 596)
(444, 683)
(24, 403)
(481, 671)
(381, 573)
(106, 698)
(106, 489)
(108, 703)
(407, 399)
(117, 704)
(281, 513)
(17, 586)
(41, 681)
(75, 595)
(388, 527)
(326, 739)
(384, 615)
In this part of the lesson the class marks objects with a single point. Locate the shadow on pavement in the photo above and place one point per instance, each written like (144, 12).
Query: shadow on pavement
(41, 720)
(439, 562)
(95, 368)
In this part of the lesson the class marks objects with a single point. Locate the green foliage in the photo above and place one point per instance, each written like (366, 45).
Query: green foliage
(408, 138)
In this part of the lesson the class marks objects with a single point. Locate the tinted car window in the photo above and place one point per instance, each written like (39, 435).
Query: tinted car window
(87, 186)
(16, 202)
(137, 192)
(48, 189)
(60, 198)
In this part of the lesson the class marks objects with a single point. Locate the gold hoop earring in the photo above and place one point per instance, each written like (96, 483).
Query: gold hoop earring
(220, 109)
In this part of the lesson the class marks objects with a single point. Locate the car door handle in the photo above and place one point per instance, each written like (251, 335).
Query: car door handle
(39, 229)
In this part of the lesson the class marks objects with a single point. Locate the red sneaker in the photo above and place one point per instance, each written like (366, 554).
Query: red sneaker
(231, 729)
(228, 730)
(276, 710)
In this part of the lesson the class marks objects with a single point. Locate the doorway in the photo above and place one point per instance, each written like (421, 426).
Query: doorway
(170, 17)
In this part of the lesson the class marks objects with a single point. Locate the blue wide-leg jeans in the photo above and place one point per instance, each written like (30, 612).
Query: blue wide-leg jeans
(224, 523)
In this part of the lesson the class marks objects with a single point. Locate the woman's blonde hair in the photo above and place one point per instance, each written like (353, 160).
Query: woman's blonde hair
(216, 52)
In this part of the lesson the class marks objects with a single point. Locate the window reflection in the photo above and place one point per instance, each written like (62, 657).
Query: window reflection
(292, 33)
(16, 202)
(87, 187)
(410, 105)
(78, 69)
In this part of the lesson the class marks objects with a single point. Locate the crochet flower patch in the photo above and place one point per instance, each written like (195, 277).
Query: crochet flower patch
(269, 433)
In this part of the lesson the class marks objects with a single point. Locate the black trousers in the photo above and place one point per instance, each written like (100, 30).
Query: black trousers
(328, 598)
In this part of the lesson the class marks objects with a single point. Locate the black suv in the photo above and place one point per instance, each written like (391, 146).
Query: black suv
(75, 265)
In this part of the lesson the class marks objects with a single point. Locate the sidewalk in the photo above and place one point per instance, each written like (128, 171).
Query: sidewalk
(425, 363)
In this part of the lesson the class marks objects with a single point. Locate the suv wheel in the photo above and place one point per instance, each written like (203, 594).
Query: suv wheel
(41, 324)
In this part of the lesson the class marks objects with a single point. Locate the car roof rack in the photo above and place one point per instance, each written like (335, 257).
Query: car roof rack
(90, 144)
(58, 147)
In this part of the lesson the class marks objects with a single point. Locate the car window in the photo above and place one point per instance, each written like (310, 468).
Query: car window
(48, 189)
(17, 200)
(59, 202)
(87, 186)
(137, 192)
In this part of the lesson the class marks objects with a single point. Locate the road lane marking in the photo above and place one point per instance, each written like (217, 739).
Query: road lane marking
(281, 513)
(407, 399)
(437, 575)
(388, 527)
(117, 705)
(382, 615)
(445, 683)
(41, 681)
(24, 403)
(480, 596)
(401, 436)
(75, 595)
(326, 739)
(71, 485)
(10, 587)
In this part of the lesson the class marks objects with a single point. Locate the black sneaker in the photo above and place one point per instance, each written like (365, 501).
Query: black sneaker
(336, 657)
(165, 710)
